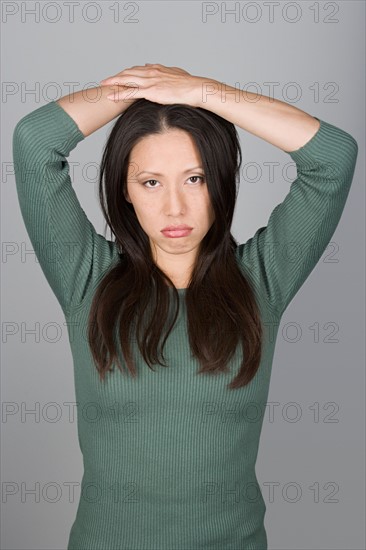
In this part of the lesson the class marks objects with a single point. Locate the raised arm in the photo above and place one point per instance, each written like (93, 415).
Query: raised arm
(65, 242)
(280, 256)
(90, 109)
(279, 123)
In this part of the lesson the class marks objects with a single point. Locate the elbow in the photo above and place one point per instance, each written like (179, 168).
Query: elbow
(348, 152)
(342, 170)
(354, 149)
(22, 130)
(25, 138)
(349, 155)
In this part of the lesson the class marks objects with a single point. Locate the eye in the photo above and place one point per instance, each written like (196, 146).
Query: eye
(145, 182)
(154, 186)
(199, 177)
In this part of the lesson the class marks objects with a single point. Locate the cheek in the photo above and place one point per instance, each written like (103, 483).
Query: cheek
(146, 214)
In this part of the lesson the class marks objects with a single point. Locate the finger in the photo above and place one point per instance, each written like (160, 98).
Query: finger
(120, 81)
(123, 79)
(128, 70)
(112, 80)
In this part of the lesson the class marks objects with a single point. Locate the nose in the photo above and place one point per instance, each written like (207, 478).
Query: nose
(174, 203)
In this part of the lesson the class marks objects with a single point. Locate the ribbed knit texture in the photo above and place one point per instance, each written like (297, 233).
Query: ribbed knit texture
(169, 457)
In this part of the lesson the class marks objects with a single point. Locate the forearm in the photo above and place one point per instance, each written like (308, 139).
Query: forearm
(91, 109)
(275, 121)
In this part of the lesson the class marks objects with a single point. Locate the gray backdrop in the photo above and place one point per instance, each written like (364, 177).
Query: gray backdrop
(311, 54)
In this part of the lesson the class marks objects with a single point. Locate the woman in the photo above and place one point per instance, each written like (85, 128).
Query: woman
(169, 453)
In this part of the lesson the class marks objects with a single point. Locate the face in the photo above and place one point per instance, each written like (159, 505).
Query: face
(166, 186)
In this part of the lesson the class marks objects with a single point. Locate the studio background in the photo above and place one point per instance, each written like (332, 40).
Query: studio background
(311, 54)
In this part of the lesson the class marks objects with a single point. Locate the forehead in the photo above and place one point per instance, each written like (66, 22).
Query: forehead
(164, 142)
(174, 150)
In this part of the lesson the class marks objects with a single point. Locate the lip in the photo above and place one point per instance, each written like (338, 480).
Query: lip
(176, 231)
(176, 227)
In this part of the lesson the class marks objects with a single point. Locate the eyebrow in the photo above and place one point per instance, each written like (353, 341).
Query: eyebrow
(157, 173)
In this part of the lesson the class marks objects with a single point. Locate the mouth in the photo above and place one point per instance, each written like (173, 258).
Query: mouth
(176, 231)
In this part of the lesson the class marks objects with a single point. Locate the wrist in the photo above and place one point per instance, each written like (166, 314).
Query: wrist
(206, 91)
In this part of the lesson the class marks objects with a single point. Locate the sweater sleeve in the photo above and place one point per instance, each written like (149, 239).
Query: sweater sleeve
(279, 257)
(70, 252)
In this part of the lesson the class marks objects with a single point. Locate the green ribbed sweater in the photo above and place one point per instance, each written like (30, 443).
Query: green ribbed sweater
(169, 457)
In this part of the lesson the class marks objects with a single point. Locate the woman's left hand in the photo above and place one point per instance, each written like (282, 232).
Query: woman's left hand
(157, 83)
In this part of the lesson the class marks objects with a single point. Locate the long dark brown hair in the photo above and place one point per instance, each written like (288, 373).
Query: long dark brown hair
(220, 303)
